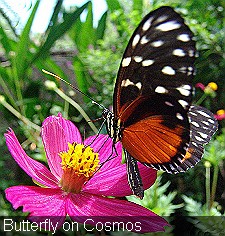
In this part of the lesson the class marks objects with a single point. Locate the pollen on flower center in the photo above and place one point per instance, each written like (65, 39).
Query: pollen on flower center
(79, 163)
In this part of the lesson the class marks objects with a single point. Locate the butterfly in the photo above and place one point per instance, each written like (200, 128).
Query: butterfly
(152, 112)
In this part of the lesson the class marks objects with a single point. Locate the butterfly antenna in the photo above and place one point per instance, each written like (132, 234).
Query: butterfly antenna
(72, 86)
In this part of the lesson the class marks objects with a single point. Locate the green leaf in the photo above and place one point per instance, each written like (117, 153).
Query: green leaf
(7, 43)
(7, 86)
(138, 5)
(101, 27)
(86, 34)
(81, 76)
(54, 18)
(8, 21)
(58, 31)
(23, 45)
(113, 5)
(49, 65)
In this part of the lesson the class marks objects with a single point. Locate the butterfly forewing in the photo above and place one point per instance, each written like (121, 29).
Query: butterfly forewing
(158, 59)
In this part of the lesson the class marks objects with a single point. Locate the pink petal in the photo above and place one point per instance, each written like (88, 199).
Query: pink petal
(56, 133)
(71, 131)
(110, 182)
(111, 179)
(114, 182)
(33, 168)
(42, 203)
(104, 146)
(200, 85)
(92, 209)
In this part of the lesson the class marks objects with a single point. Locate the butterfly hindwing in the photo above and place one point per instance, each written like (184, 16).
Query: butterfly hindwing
(202, 127)
(134, 177)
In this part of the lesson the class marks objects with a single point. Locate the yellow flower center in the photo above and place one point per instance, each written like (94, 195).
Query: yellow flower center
(213, 86)
(79, 163)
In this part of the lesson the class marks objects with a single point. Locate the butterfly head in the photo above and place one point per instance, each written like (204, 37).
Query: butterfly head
(113, 126)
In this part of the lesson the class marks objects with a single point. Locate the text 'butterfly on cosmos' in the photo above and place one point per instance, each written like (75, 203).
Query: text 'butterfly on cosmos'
(152, 112)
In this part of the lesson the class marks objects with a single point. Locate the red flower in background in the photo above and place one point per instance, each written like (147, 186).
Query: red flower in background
(220, 114)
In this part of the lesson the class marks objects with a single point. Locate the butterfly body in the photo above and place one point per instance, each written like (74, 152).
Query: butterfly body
(152, 112)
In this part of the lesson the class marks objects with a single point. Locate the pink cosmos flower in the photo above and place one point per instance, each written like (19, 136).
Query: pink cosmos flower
(67, 189)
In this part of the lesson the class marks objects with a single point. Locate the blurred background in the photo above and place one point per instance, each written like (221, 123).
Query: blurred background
(83, 43)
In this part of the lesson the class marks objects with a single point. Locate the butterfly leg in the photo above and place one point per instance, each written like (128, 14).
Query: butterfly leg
(111, 156)
(97, 135)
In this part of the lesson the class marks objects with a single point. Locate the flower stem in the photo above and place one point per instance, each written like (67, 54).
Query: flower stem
(19, 116)
(214, 184)
(7, 92)
(201, 99)
(18, 87)
(77, 106)
(66, 109)
(207, 186)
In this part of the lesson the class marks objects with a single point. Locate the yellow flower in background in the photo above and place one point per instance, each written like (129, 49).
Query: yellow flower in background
(212, 85)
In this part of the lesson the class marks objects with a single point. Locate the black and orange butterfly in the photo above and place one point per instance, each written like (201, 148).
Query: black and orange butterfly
(152, 112)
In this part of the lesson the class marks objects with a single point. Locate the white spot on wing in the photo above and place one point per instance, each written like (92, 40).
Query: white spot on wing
(204, 114)
(179, 52)
(168, 26)
(193, 113)
(147, 24)
(184, 37)
(126, 61)
(168, 70)
(157, 44)
(184, 89)
(138, 58)
(191, 53)
(199, 138)
(195, 144)
(147, 62)
(195, 124)
(144, 40)
(139, 85)
(211, 121)
(179, 116)
(183, 103)
(135, 40)
(161, 89)
(169, 104)
(205, 122)
(127, 82)
(161, 18)
(190, 70)
(203, 135)
(183, 69)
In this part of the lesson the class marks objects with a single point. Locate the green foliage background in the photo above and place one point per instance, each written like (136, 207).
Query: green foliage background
(91, 59)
